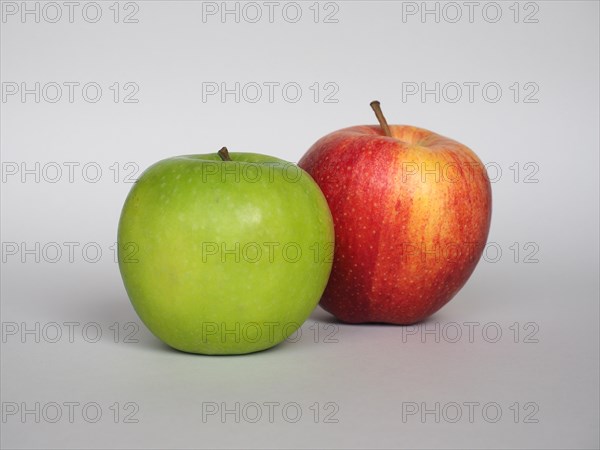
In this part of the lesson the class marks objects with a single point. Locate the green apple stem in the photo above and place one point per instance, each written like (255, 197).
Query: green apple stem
(376, 106)
(224, 154)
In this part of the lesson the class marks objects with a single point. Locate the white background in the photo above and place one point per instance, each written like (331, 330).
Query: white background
(367, 375)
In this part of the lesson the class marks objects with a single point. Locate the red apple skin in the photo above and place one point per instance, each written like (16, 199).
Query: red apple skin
(408, 232)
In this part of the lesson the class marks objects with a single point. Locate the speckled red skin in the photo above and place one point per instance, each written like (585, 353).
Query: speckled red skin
(406, 242)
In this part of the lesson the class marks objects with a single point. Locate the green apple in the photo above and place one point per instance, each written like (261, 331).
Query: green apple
(225, 253)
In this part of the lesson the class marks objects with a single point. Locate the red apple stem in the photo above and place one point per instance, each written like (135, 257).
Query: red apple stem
(224, 154)
(376, 106)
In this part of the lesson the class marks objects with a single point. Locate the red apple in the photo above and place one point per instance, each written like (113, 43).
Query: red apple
(411, 212)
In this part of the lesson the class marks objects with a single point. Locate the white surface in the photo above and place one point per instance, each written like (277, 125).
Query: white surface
(371, 373)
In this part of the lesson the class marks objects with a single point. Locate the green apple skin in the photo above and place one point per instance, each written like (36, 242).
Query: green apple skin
(236, 299)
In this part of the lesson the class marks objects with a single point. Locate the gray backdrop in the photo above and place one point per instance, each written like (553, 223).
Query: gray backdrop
(93, 93)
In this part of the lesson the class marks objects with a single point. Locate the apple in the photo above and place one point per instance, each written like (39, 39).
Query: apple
(225, 253)
(411, 211)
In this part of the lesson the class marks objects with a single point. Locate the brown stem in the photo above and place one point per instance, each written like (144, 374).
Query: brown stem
(376, 106)
(224, 154)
